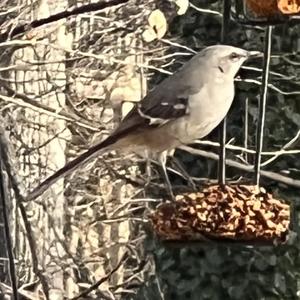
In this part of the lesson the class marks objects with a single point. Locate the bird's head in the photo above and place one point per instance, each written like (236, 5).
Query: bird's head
(225, 60)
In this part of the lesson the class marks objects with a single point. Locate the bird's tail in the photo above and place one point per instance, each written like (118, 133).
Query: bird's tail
(71, 166)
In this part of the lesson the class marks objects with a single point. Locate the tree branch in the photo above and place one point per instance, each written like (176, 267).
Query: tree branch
(25, 101)
(19, 202)
(21, 29)
(8, 241)
(102, 280)
(232, 163)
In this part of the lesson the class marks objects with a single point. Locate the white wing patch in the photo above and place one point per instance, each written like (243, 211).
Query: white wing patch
(152, 121)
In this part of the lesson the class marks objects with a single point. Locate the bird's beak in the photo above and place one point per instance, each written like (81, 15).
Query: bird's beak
(254, 54)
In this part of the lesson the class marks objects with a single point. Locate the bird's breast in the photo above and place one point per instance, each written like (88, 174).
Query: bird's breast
(207, 109)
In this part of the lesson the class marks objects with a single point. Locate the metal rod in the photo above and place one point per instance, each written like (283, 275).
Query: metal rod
(222, 132)
(9, 248)
(262, 102)
(246, 131)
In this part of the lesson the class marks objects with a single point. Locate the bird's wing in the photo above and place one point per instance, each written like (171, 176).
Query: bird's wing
(164, 110)
(168, 101)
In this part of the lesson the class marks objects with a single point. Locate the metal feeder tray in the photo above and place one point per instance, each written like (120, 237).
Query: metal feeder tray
(262, 12)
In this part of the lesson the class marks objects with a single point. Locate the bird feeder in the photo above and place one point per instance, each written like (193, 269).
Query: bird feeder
(237, 213)
(266, 12)
(240, 214)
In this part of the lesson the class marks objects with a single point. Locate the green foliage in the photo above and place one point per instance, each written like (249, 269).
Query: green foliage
(225, 272)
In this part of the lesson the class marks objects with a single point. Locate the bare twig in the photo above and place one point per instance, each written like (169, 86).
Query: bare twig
(102, 57)
(270, 86)
(259, 70)
(24, 101)
(232, 163)
(9, 246)
(204, 10)
(291, 62)
(9, 11)
(33, 64)
(102, 280)
(28, 295)
(178, 45)
(283, 151)
(59, 16)
(171, 55)
(19, 202)
(277, 153)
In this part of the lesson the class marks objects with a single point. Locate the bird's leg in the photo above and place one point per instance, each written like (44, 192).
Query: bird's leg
(163, 161)
(184, 173)
(148, 168)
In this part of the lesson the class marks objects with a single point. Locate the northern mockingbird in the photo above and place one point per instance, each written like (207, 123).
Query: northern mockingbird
(186, 106)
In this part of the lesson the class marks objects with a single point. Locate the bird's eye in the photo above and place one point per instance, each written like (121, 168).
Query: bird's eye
(234, 56)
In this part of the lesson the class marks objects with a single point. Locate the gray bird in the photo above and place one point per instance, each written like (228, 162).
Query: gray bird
(186, 106)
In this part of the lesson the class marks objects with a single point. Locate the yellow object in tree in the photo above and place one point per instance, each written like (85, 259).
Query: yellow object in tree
(289, 6)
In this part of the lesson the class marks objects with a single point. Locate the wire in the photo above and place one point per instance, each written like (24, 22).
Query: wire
(262, 102)
(222, 128)
(246, 130)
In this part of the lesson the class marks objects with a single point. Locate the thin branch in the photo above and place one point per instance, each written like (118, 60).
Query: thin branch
(9, 11)
(62, 242)
(250, 151)
(270, 86)
(172, 55)
(130, 202)
(102, 280)
(19, 202)
(21, 29)
(108, 58)
(60, 114)
(259, 70)
(32, 65)
(232, 163)
(178, 45)
(28, 295)
(44, 144)
(292, 62)
(102, 57)
(9, 246)
(283, 151)
(24, 101)
(206, 11)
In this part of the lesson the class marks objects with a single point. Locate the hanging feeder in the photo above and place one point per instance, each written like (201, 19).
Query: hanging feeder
(237, 213)
(266, 12)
